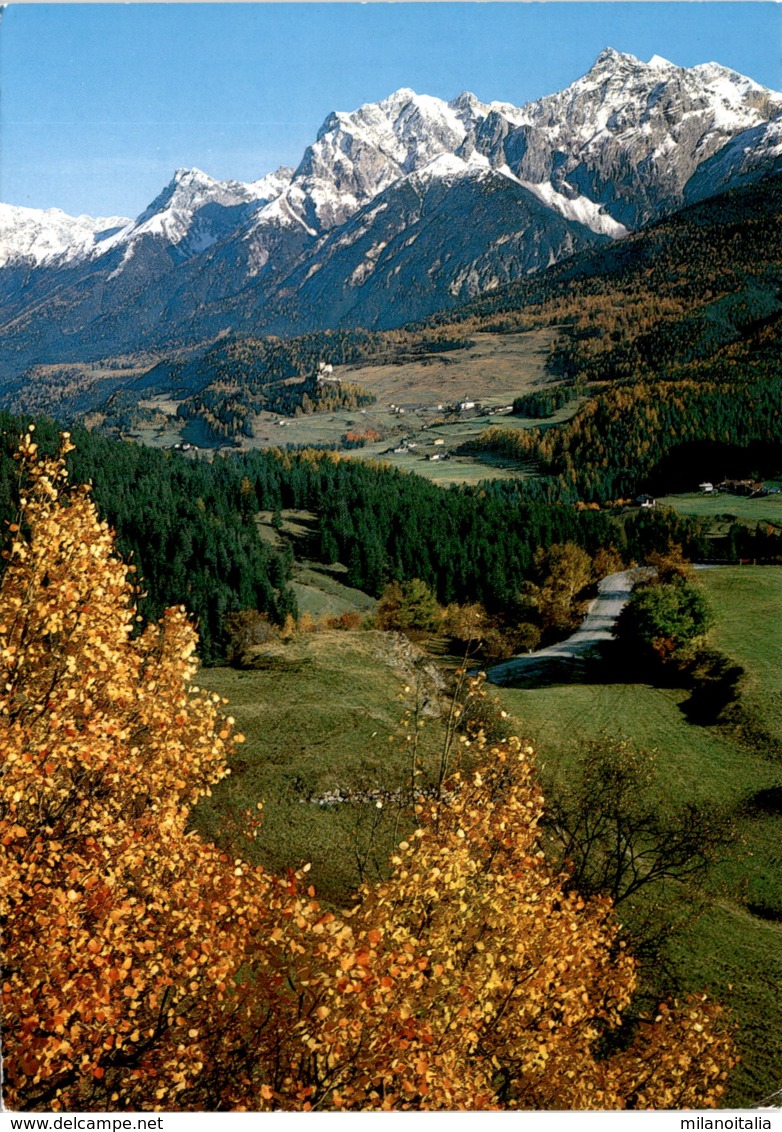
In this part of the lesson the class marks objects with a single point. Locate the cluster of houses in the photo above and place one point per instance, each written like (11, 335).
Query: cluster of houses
(469, 408)
(738, 487)
(406, 447)
(463, 409)
(438, 442)
(753, 489)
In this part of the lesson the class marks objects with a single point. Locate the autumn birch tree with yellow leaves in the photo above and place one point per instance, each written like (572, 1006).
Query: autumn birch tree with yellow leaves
(145, 969)
(124, 937)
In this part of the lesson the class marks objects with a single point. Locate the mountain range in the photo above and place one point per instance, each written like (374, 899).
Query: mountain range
(397, 210)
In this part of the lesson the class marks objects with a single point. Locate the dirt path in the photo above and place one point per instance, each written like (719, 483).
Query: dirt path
(613, 593)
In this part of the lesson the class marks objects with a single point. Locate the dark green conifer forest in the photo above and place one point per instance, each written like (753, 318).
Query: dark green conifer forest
(189, 526)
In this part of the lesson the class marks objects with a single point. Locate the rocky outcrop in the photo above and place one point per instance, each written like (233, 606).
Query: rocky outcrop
(397, 209)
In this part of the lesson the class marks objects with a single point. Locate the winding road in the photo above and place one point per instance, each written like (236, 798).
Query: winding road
(613, 593)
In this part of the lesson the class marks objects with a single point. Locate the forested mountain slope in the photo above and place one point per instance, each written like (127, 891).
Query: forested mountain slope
(703, 285)
(685, 289)
(397, 209)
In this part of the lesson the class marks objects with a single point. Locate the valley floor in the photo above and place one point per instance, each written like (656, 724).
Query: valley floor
(491, 370)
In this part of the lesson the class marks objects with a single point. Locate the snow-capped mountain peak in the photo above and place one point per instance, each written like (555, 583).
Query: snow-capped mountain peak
(196, 210)
(38, 237)
(190, 190)
(360, 153)
(412, 200)
(716, 72)
(610, 60)
(467, 106)
(657, 63)
(628, 135)
(186, 191)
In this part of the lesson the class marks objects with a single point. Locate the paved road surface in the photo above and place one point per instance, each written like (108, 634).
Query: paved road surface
(602, 613)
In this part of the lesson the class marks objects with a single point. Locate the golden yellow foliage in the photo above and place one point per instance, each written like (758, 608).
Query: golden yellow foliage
(475, 982)
(144, 969)
(123, 935)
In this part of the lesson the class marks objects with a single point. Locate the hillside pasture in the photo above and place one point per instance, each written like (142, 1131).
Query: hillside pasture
(495, 369)
(748, 603)
(320, 589)
(321, 713)
(724, 508)
(733, 944)
(320, 592)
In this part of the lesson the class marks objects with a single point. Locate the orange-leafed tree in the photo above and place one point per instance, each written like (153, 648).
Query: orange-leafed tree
(477, 982)
(124, 938)
(144, 969)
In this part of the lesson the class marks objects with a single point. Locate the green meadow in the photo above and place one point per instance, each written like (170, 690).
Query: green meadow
(725, 509)
(733, 946)
(323, 712)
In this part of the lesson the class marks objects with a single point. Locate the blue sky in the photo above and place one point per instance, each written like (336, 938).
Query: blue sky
(100, 103)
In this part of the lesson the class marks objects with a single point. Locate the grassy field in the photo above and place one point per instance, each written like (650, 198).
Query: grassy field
(318, 716)
(748, 603)
(493, 371)
(320, 589)
(730, 950)
(453, 432)
(497, 368)
(690, 761)
(320, 592)
(319, 712)
(725, 509)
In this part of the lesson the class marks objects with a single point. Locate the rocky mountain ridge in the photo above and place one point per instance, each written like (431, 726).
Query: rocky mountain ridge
(397, 209)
